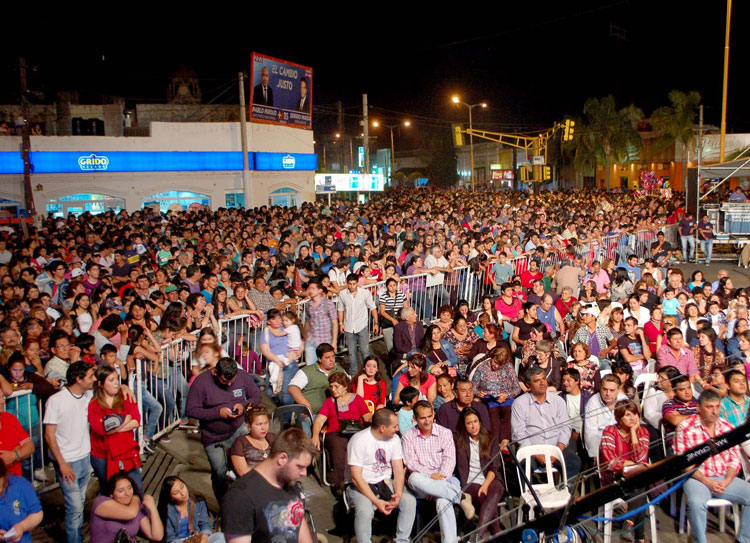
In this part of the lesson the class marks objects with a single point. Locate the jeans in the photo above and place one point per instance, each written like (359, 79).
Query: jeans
(165, 396)
(688, 241)
(388, 338)
(311, 357)
(364, 511)
(698, 494)
(421, 302)
(217, 458)
(27, 468)
(74, 496)
(152, 411)
(100, 472)
(707, 246)
(286, 375)
(216, 537)
(181, 386)
(446, 493)
(354, 341)
(487, 505)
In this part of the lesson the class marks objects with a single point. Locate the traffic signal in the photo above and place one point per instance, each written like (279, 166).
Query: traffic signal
(547, 173)
(458, 137)
(568, 130)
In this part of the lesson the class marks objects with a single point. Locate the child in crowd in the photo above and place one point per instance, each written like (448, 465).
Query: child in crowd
(109, 358)
(409, 396)
(670, 302)
(294, 345)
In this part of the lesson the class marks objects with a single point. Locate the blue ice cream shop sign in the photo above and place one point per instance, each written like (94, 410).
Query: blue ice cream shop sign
(93, 162)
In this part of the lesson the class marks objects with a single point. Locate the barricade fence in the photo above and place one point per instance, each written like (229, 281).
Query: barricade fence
(427, 292)
(29, 411)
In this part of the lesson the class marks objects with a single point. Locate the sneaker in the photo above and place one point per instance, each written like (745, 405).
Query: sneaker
(165, 439)
(41, 475)
(187, 425)
(148, 448)
(467, 506)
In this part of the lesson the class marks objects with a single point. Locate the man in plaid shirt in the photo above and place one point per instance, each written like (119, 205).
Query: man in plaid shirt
(717, 476)
(321, 321)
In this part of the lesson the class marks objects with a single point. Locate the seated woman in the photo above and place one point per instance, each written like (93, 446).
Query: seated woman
(184, 513)
(587, 366)
(20, 509)
(250, 450)
(341, 405)
(113, 418)
(496, 382)
(441, 357)
(624, 373)
(462, 339)
(475, 447)
(120, 507)
(417, 376)
(369, 384)
(445, 391)
(623, 451)
(545, 358)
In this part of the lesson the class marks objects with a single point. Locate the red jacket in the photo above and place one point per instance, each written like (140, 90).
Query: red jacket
(118, 447)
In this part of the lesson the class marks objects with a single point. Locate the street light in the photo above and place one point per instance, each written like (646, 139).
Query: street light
(456, 100)
(393, 152)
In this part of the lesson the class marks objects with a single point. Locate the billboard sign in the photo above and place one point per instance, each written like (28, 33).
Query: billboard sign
(349, 182)
(280, 92)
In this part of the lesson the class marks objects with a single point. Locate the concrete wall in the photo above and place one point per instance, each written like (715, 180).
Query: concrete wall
(134, 187)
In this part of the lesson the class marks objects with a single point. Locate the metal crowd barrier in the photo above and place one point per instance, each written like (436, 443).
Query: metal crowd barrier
(426, 292)
(25, 406)
(167, 385)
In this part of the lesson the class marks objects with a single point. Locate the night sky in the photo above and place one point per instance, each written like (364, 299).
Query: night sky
(533, 62)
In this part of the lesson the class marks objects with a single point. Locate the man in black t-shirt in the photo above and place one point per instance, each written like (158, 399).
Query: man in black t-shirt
(263, 505)
(661, 250)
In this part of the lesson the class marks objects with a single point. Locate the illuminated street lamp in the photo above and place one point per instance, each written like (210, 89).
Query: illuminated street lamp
(456, 100)
(393, 152)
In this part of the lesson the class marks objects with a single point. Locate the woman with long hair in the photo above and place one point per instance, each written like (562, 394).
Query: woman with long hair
(369, 384)
(113, 418)
(707, 356)
(478, 463)
(587, 294)
(416, 375)
(121, 506)
(462, 339)
(184, 513)
(589, 370)
(622, 286)
(82, 313)
(441, 357)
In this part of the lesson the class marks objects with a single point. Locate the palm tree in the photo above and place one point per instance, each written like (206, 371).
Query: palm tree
(609, 134)
(675, 123)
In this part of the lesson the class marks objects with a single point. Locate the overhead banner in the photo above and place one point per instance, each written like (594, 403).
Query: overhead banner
(281, 92)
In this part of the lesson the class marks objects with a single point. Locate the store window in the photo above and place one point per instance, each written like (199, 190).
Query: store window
(176, 199)
(83, 202)
(235, 200)
(285, 197)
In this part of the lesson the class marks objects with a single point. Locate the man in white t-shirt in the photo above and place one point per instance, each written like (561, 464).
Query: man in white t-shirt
(436, 261)
(376, 475)
(66, 431)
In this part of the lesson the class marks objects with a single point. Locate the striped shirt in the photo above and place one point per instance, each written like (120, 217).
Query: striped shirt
(393, 304)
(691, 433)
(435, 453)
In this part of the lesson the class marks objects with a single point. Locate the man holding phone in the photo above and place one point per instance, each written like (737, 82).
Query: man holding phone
(218, 399)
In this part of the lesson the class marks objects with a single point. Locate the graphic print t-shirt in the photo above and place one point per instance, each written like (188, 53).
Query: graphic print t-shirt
(254, 507)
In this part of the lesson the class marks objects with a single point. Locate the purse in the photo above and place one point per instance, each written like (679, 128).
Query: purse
(194, 537)
(347, 427)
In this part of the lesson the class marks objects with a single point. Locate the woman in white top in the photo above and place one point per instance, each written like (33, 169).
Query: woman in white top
(83, 312)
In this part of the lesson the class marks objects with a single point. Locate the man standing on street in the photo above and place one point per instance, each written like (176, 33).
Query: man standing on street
(355, 306)
(320, 322)
(218, 399)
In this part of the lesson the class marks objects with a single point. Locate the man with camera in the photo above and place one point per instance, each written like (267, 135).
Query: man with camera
(218, 399)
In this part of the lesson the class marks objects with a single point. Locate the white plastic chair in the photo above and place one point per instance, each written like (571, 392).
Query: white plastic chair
(647, 380)
(550, 496)
(608, 512)
(713, 502)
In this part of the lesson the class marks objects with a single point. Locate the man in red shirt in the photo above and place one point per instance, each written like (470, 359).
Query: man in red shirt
(15, 444)
(532, 274)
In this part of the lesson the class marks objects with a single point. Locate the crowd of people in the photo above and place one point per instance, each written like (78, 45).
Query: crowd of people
(564, 320)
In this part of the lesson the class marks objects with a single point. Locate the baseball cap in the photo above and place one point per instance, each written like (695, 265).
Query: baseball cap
(590, 311)
(110, 304)
(170, 288)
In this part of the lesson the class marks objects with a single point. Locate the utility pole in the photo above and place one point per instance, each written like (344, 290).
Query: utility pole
(366, 131)
(722, 145)
(26, 144)
(247, 188)
(342, 167)
(700, 159)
